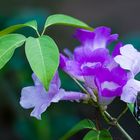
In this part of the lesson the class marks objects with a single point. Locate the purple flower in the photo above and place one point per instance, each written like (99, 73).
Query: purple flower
(38, 98)
(91, 54)
(93, 63)
(129, 59)
(108, 83)
(99, 38)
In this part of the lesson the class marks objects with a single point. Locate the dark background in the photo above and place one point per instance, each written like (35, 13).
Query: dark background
(15, 123)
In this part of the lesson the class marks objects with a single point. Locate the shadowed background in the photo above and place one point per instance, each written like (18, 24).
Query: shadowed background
(15, 122)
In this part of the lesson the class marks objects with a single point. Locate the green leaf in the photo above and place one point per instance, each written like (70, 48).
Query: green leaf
(60, 19)
(98, 135)
(84, 124)
(131, 108)
(32, 24)
(43, 56)
(8, 44)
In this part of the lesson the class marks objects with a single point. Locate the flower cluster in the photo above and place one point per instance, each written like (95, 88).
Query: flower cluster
(105, 75)
(93, 63)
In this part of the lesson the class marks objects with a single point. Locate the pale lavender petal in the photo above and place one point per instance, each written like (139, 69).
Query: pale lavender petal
(74, 96)
(128, 51)
(69, 95)
(130, 91)
(129, 95)
(129, 59)
(27, 94)
(90, 82)
(134, 83)
(36, 80)
(38, 110)
(124, 62)
(35, 97)
(55, 84)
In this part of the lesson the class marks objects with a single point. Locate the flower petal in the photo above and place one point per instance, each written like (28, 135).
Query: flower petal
(99, 38)
(36, 80)
(103, 37)
(69, 95)
(83, 54)
(129, 59)
(103, 100)
(35, 97)
(109, 82)
(116, 50)
(63, 61)
(130, 91)
(85, 36)
(55, 84)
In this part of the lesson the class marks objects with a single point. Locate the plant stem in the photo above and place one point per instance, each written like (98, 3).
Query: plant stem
(83, 88)
(118, 126)
(77, 82)
(123, 131)
(98, 126)
(123, 112)
(43, 31)
(37, 33)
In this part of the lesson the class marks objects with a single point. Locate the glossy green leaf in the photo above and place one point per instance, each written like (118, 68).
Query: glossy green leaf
(8, 44)
(60, 19)
(84, 124)
(98, 135)
(131, 108)
(43, 56)
(32, 24)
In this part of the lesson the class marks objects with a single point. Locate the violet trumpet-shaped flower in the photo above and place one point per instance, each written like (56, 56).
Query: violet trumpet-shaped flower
(38, 98)
(93, 63)
(99, 38)
(92, 53)
(129, 59)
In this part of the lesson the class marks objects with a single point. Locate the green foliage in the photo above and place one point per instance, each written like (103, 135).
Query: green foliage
(8, 44)
(84, 124)
(43, 56)
(131, 108)
(93, 134)
(98, 135)
(60, 19)
(42, 52)
(32, 24)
